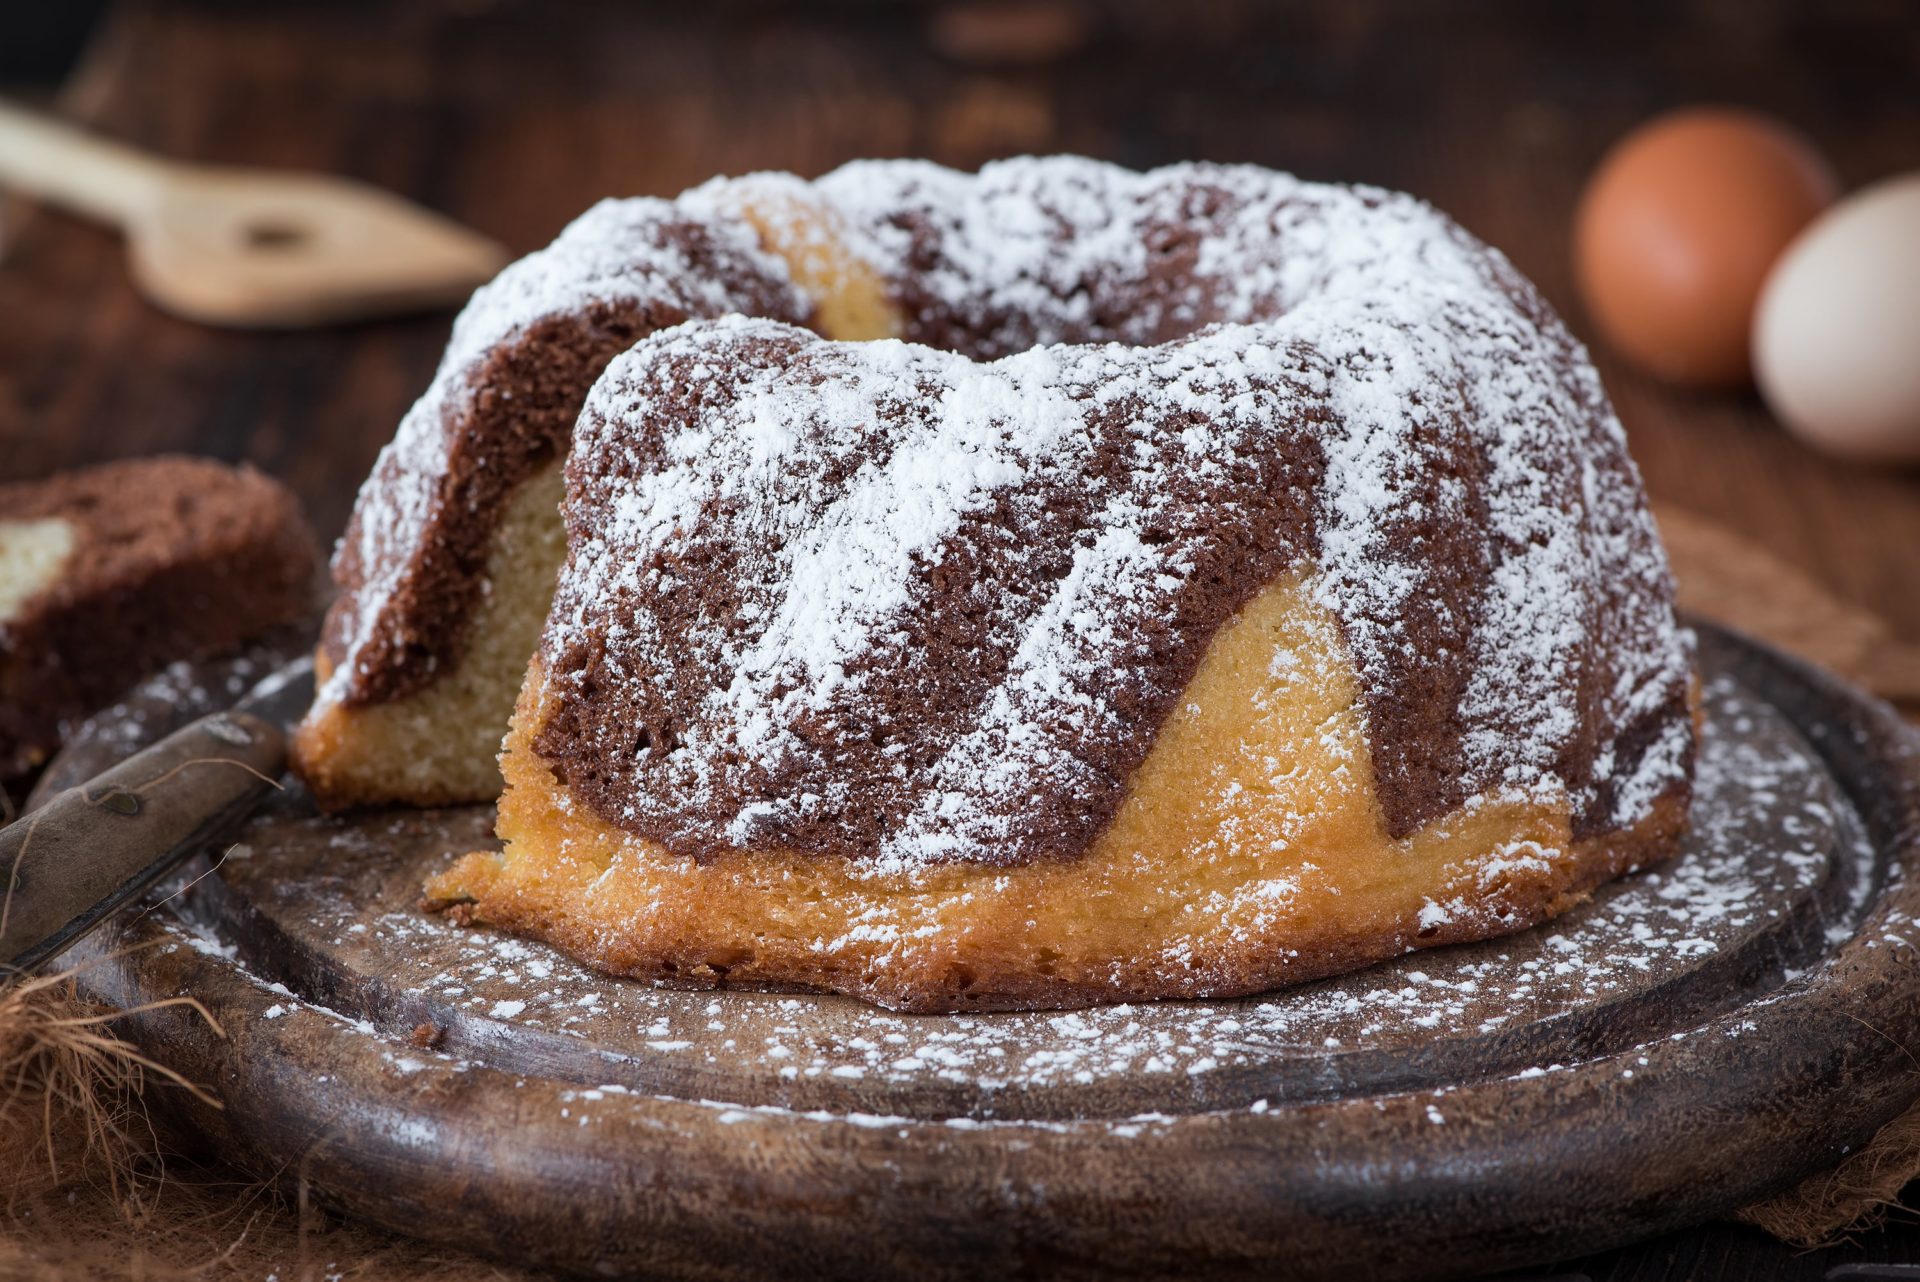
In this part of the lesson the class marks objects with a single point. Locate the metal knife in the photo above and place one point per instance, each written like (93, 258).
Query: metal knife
(92, 850)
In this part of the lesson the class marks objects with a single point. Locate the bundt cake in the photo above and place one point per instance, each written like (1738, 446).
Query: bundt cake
(1229, 581)
(112, 572)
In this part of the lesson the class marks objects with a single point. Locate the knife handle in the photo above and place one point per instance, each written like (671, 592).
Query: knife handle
(95, 848)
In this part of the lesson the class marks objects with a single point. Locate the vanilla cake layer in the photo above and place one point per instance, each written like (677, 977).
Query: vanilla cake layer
(32, 556)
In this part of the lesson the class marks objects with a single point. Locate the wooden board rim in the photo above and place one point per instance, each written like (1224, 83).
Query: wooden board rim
(1482, 1175)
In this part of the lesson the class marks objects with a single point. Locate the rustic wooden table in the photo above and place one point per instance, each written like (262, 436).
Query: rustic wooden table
(515, 116)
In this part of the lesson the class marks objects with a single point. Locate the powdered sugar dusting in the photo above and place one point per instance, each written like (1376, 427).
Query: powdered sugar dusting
(1460, 432)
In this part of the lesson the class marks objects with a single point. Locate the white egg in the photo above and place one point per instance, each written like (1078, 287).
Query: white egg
(1836, 337)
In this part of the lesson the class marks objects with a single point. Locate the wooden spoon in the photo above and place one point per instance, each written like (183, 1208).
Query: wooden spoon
(250, 248)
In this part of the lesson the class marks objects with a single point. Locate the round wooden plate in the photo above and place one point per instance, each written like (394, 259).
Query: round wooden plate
(1694, 1038)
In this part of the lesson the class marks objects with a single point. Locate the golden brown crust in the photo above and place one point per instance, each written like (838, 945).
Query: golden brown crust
(1519, 903)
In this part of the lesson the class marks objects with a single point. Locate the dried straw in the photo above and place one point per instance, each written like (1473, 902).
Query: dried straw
(88, 1187)
(1861, 1193)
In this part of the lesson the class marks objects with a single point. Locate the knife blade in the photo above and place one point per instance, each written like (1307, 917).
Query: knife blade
(92, 850)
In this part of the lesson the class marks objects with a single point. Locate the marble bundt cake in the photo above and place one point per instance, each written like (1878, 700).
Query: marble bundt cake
(112, 572)
(1229, 581)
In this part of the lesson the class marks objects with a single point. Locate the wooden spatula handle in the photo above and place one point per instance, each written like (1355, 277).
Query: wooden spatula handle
(60, 163)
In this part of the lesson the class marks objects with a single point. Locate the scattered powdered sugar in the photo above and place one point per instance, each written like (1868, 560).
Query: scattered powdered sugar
(1772, 836)
(173, 696)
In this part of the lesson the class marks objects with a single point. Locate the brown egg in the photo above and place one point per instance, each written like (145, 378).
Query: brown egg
(1676, 232)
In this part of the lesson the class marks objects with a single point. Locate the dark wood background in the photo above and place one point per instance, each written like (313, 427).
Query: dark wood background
(515, 116)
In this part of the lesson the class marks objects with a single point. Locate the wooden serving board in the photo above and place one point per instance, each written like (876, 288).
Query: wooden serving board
(1694, 1038)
